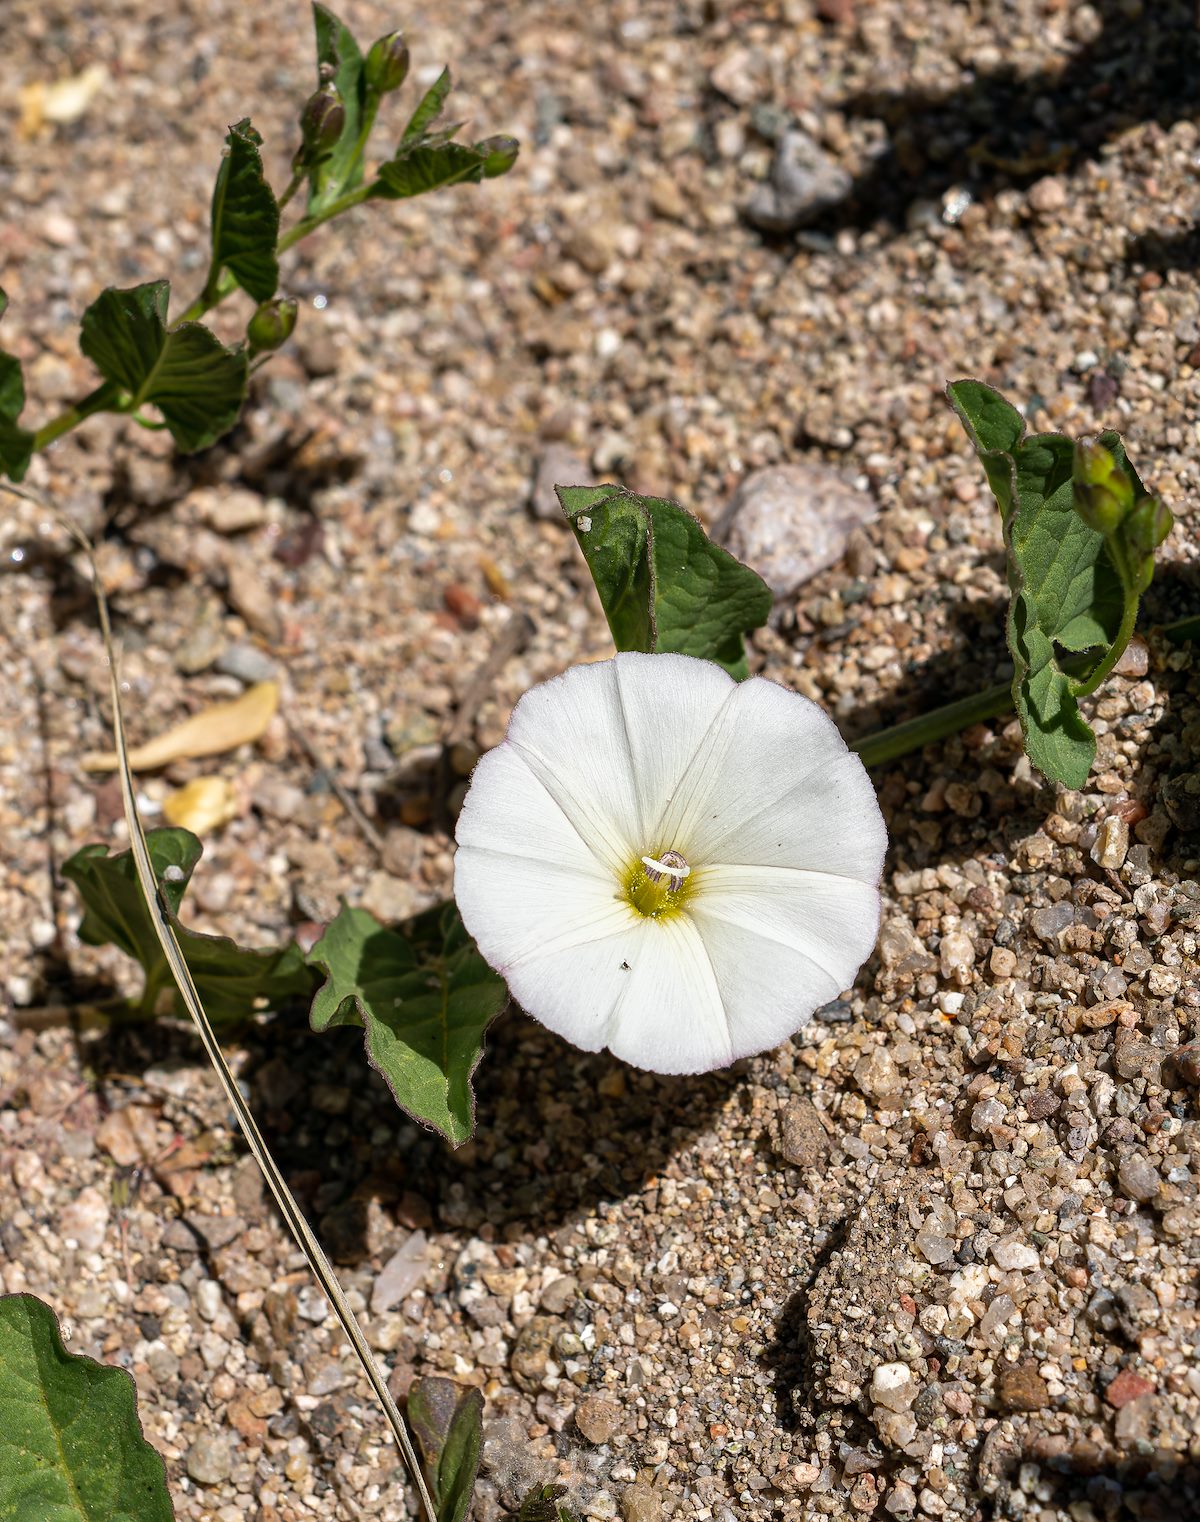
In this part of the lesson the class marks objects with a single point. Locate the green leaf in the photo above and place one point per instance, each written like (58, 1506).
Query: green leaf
(427, 112)
(425, 998)
(16, 443)
(1066, 593)
(448, 1423)
(426, 168)
(186, 372)
(663, 584)
(245, 217)
(339, 59)
(71, 1445)
(541, 1505)
(233, 982)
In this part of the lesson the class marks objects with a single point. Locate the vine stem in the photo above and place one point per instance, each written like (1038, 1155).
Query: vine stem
(164, 929)
(939, 723)
(106, 397)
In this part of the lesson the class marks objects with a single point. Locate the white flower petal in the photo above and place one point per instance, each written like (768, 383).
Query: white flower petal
(782, 942)
(570, 732)
(648, 993)
(773, 783)
(671, 1018)
(508, 809)
(518, 909)
(635, 757)
(668, 705)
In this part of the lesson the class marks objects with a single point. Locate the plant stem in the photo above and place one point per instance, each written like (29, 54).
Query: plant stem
(105, 398)
(939, 723)
(294, 185)
(310, 224)
(1083, 687)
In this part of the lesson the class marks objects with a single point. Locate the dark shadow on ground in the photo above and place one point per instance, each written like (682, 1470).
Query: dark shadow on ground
(1006, 128)
(559, 1131)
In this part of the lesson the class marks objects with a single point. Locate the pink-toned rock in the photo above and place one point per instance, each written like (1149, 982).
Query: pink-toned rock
(1125, 1387)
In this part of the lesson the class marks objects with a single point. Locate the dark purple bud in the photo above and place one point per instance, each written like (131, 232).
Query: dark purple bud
(322, 120)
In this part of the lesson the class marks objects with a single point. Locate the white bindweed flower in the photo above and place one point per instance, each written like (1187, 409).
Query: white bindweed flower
(668, 863)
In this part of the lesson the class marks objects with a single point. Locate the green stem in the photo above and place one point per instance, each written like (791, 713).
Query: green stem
(939, 724)
(310, 224)
(1083, 687)
(927, 728)
(218, 285)
(105, 398)
(294, 185)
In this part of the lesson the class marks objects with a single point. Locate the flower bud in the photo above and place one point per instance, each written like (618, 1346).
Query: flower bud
(1103, 491)
(386, 65)
(1148, 525)
(500, 154)
(321, 121)
(271, 326)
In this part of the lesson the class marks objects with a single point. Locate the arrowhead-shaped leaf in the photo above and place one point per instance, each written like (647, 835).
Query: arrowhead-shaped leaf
(186, 372)
(71, 1445)
(424, 996)
(233, 982)
(245, 216)
(663, 584)
(448, 1423)
(16, 443)
(1066, 593)
(339, 59)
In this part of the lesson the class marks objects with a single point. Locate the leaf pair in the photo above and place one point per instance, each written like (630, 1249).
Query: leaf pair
(423, 161)
(233, 982)
(422, 993)
(447, 1422)
(663, 584)
(1067, 595)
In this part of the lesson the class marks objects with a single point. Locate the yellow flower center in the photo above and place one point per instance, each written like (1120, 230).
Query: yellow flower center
(659, 885)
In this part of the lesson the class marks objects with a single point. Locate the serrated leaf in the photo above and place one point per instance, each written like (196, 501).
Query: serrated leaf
(16, 443)
(338, 58)
(233, 981)
(424, 996)
(448, 1423)
(426, 168)
(71, 1445)
(245, 216)
(186, 372)
(428, 110)
(1066, 593)
(663, 584)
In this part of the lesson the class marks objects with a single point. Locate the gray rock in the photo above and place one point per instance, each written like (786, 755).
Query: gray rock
(1048, 924)
(403, 1272)
(803, 182)
(791, 521)
(559, 466)
(209, 1461)
(247, 663)
(1138, 1179)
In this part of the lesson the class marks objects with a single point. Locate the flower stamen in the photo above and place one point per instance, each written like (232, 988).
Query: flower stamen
(658, 885)
(672, 865)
